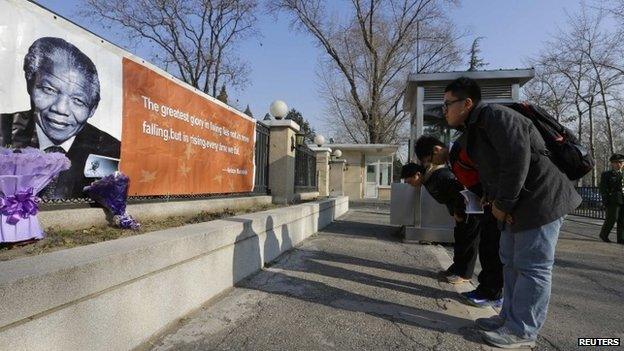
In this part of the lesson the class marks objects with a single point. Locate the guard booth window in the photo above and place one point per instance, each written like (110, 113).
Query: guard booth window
(435, 125)
(385, 173)
(379, 170)
(378, 173)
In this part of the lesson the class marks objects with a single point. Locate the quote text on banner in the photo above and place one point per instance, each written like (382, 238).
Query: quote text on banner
(175, 141)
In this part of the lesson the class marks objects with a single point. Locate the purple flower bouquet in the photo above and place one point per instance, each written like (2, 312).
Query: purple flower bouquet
(23, 174)
(112, 192)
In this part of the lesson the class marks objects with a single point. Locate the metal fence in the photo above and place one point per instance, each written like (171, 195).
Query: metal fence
(262, 159)
(592, 203)
(305, 169)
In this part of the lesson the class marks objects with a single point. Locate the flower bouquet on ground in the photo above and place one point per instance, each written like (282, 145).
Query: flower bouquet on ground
(23, 174)
(111, 192)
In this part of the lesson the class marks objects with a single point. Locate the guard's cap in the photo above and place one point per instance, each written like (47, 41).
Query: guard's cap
(616, 158)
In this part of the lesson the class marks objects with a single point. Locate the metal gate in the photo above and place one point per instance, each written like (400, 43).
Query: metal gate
(591, 206)
(262, 159)
(305, 169)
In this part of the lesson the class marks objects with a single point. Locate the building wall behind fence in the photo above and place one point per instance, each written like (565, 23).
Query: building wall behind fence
(168, 137)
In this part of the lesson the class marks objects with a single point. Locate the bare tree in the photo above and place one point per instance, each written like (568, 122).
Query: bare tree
(369, 55)
(578, 78)
(615, 7)
(600, 49)
(549, 90)
(572, 66)
(194, 39)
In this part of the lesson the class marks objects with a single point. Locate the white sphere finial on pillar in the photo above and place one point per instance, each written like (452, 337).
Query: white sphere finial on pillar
(278, 109)
(337, 153)
(319, 140)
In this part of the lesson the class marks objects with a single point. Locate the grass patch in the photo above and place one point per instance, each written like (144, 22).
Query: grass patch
(58, 239)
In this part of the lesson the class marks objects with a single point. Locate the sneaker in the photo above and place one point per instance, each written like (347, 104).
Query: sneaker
(473, 298)
(604, 238)
(490, 323)
(469, 294)
(456, 279)
(505, 339)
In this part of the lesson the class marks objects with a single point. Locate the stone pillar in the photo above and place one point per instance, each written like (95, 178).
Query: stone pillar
(336, 177)
(282, 159)
(323, 155)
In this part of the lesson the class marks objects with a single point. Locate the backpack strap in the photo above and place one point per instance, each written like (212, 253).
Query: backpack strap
(544, 152)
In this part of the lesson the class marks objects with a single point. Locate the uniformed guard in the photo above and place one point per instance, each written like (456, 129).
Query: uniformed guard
(612, 191)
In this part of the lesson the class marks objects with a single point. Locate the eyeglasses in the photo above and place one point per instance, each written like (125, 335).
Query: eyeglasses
(446, 104)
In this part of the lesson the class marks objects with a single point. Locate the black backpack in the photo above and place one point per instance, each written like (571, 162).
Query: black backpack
(564, 149)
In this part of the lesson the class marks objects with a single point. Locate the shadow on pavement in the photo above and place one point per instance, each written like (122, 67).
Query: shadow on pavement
(559, 262)
(329, 256)
(360, 229)
(312, 265)
(321, 293)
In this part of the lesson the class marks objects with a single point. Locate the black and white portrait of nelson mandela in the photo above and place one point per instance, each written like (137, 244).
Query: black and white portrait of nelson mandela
(64, 90)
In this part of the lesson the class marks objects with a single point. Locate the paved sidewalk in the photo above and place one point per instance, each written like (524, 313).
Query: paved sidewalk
(354, 286)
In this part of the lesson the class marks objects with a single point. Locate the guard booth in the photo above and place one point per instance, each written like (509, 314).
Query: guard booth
(422, 217)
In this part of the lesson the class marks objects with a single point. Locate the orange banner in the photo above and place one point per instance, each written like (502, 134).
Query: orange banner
(176, 141)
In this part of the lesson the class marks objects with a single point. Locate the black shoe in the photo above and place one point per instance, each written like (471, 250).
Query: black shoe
(605, 239)
(445, 273)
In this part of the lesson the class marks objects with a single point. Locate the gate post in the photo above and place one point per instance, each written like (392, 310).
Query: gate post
(323, 155)
(282, 160)
(336, 177)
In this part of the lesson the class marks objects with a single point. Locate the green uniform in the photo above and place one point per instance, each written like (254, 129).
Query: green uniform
(612, 191)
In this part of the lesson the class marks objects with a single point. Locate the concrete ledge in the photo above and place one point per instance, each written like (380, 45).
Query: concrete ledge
(115, 295)
(306, 196)
(86, 217)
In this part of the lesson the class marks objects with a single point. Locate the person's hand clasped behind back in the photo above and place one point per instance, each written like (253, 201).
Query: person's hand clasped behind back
(501, 216)
(458, 218)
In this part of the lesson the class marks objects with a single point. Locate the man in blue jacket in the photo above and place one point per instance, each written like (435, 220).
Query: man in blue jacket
(529, 197)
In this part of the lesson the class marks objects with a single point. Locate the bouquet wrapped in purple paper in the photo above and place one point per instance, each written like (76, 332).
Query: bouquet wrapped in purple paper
(23, 174)
(112, 192)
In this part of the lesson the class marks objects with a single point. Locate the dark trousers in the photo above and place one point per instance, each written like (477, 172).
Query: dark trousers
(466, 236)
(491, 276)
(614, 213)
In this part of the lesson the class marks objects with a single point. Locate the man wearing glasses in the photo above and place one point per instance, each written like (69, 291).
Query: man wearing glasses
(529, 197)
